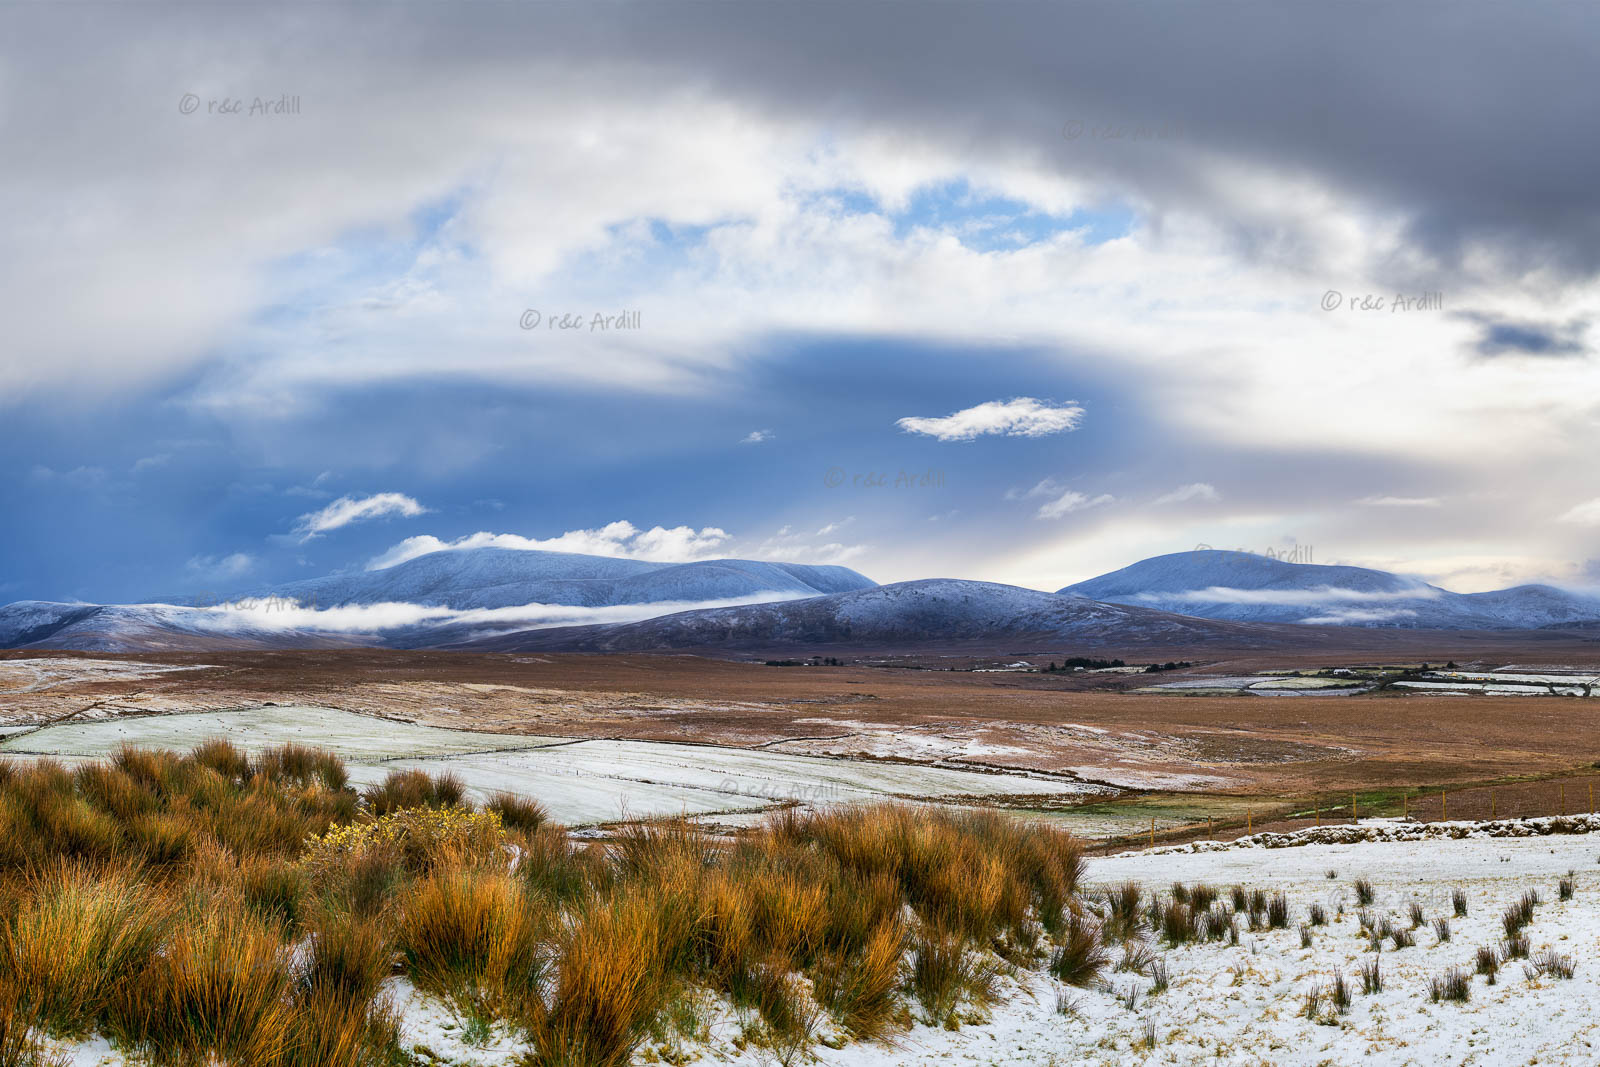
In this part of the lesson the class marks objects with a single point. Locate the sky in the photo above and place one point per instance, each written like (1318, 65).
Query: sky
(1020, 293)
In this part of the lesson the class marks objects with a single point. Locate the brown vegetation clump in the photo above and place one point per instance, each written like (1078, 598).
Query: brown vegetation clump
(221, 907)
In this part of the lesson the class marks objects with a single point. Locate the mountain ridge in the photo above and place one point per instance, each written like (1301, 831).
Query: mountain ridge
(1243, 587)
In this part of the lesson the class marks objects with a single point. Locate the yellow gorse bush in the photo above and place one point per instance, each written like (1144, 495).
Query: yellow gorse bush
(417, 839)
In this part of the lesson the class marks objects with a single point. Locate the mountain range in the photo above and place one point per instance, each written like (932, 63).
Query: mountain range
(926, 614)
(494, 599)
(507, 577)
(1243, 587)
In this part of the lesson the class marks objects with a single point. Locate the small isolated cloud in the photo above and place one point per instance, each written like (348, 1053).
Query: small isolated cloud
(160, 459)
(230, 566)
(828, 529)
(621, 539)
(1022, 417)
(350, 509)
(1400, 502)
(1192, 491)
(755, 437)
(77, 478)
(1585, 514)
(1500, 336)
(793, 547)
(1071, 501)
(1358, 617)
(1062, 500)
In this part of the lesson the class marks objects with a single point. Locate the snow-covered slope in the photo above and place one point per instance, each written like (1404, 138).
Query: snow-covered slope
(505, 577)
(152, 628)
(1245, 587)
(437, 597)
(922, 613)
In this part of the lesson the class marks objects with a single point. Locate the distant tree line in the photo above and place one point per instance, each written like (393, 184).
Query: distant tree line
(814, 661)
(1085, 662)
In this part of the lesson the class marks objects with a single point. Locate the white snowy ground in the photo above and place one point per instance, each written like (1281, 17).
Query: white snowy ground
(580, 782)
(1242, 1005)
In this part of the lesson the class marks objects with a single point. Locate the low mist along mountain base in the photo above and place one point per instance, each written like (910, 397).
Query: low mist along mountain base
(493, 599)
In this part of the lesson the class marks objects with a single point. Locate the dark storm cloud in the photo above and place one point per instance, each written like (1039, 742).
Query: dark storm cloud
(1471, 121)
(1506, 337)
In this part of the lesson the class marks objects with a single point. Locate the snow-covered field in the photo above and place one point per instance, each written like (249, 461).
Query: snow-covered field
(580, 782)
(354, 737)
(32, 675)
(1245, 1004)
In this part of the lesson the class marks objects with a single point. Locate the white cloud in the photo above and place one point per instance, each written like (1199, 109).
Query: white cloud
(282, 613)
(790, 547)
(621, 539)
(1020, 417)
(1400, 501)
(1071, 501)
(1585, 514)
(1193, 491)
(230, 566)
(160, 459)
(1063, 500)
(1322, 595)
(77, 478)
(755, 437)
(1358, 616)
(350, 509)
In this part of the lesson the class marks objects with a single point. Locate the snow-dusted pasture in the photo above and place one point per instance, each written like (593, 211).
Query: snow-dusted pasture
(592, 781)
(32, 675)
(580, 782)
(359, 738)
(1244, 1005)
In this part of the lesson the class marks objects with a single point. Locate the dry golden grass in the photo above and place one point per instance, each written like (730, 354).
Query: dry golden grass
(213, 908)
(474, 937)
(77, 938)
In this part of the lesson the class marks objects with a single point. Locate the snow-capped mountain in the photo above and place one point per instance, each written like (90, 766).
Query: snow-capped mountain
(506, 577)
(1245, 587)
(436, 597)
(925, 613)
(155, 628)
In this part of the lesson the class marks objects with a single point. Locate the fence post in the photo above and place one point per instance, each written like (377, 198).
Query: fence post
(1444, 805)
(1562, 788)
(1405, 805)
(1491, 804)
(1354, 816)
(1248, 825)
(1152, 831)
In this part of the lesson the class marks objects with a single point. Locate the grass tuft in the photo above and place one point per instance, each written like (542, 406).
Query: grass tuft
(1371, 977)
(1454, 984)
(1488, 962)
